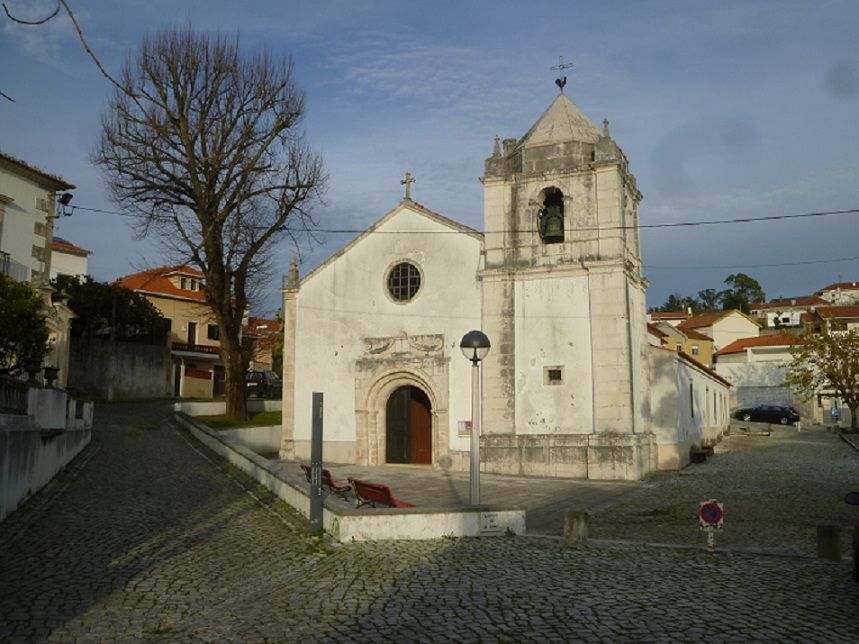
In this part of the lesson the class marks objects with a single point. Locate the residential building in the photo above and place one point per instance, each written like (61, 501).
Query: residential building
(690, 341)
(28, 207)
(757, 367)
(266, 337)
(194, 340)
(840, 293)
(833, 318)
(785, 312)
(723, 327)
(68, 259)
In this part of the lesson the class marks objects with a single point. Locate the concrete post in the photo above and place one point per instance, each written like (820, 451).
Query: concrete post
(576, 527)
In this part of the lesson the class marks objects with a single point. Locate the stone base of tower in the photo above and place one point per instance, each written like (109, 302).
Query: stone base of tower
(627, 457)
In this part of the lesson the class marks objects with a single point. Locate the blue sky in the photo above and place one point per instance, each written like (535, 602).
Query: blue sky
(725, 109)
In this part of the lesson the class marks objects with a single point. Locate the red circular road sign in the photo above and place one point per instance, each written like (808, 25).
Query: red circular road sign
(711, 514)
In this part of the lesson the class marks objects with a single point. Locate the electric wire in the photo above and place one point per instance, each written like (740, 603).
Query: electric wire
(682, 224)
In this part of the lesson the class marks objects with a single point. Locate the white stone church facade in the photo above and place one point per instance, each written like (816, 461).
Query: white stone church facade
(555, 281)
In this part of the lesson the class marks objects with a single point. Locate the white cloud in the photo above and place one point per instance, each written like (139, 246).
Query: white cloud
(44, 41)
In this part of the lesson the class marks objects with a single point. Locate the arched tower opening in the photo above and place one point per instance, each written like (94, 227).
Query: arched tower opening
(551, 216)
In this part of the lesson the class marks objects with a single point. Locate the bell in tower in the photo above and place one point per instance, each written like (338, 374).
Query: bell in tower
(551, 221)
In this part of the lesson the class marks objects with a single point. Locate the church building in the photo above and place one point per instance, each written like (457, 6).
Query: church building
(554, 280)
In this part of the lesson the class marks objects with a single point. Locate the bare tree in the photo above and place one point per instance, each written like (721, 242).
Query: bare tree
(203, 145)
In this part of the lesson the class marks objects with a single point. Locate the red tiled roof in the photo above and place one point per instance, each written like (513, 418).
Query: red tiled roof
(63, 246)
(156, 281)
(839, 311)
(841, 285)
(669, 315)
(702, 320)
(58, 183)
(773, 340)
(692, 334)
(261, 326)
(806, 301)
(708, 318)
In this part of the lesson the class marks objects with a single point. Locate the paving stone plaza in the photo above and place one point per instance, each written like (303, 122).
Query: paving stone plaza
(147, 537)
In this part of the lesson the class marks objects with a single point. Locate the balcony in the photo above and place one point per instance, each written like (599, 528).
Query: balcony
(195, 350)
(12, 269)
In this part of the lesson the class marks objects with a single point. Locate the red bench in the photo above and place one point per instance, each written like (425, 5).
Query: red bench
(328, 482)
(371, 494)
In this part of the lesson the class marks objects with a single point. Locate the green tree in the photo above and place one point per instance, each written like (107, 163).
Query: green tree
(710, 299)
(111, 310)
(828, 361)
(677, 302)
(741, 292)
(204, 145)
(23, 334)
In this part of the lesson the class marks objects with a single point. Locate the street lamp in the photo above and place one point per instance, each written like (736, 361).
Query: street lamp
(475, 346)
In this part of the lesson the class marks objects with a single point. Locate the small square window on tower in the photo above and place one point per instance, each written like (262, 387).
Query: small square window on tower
(553, 375)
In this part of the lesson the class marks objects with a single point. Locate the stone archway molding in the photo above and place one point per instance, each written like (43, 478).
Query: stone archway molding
(371, 405)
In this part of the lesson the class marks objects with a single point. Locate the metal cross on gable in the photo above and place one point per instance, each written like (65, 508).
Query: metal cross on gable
(407, 182)
(560, 67)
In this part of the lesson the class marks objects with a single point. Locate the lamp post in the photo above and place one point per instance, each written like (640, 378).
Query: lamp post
(475, 345)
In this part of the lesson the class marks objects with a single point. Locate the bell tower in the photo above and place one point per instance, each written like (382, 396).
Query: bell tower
(565, 385)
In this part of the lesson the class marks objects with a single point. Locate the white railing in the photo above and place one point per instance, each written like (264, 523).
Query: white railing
(12, 269)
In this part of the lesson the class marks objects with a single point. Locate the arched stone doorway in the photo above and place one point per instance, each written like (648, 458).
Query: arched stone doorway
(408, 426)
(374, 390)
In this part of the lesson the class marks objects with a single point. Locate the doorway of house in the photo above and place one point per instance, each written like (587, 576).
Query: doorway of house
(408, 427)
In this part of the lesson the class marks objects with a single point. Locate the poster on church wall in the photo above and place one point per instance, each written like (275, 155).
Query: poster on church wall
(464, 427)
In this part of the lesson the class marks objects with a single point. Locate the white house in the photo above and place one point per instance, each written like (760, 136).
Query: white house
(28, 198)
(723, 327)
(757, 367)
(68, 259)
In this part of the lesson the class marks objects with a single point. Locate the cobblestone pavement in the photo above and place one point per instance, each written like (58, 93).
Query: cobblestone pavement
(775, 489)
(150, 539)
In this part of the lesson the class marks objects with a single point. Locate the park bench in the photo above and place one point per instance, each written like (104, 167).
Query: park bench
(340, 489)
(371, 494)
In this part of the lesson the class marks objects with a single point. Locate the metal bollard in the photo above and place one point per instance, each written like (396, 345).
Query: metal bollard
(576, 527)
(829, 541)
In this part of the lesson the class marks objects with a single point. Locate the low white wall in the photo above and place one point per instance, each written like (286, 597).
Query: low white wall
(262, 440)
(30, 457)
(350, 524)
(218, 407)
(47, 407)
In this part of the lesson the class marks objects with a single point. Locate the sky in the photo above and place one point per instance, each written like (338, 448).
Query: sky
(725, 110)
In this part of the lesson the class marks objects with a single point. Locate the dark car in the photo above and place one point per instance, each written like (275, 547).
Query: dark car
(263, 384)
(767, 414)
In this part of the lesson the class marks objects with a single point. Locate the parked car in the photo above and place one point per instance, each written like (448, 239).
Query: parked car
(767, 414)
(263, 384)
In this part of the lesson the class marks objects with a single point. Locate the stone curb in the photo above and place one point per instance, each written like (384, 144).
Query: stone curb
(850, 442)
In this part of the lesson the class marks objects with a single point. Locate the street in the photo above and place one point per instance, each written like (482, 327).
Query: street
(150, 538)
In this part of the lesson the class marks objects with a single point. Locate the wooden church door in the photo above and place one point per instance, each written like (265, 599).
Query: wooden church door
(408, 427)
